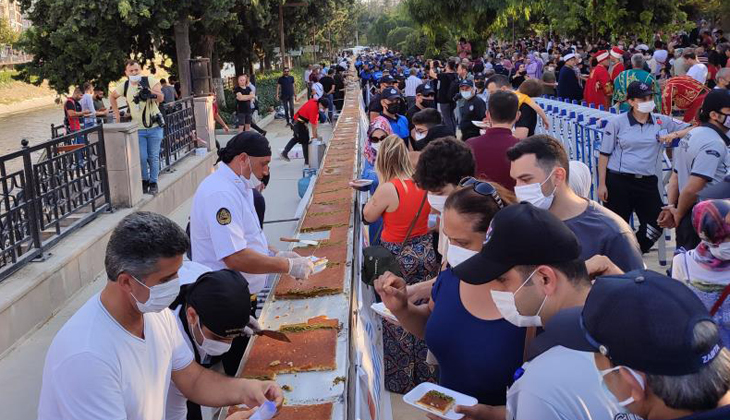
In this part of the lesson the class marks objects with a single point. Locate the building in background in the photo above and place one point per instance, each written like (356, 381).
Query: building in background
(10, 10)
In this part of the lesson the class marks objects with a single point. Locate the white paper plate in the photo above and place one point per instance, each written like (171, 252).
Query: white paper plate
(419, 391)
(480, 124)
(381, 310)
(361, 182)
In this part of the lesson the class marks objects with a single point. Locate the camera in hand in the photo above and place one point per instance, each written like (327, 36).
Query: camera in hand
(159, 119)
(145, 94)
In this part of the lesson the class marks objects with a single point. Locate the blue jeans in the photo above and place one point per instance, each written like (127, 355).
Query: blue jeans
(330, 112)
(150, 140)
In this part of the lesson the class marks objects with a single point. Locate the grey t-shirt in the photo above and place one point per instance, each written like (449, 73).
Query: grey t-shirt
(602, 232)
(169, 92)
(87, 104)
(703, 153)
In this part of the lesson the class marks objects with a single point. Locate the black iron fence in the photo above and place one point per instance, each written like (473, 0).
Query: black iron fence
(49, 190)
(180, 137)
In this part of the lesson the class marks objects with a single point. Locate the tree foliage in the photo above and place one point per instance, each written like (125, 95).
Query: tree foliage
(7, 35)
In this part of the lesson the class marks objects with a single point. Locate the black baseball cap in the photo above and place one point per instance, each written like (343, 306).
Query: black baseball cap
(638, 89)
(222, 300)
(721, 190)
(390, 93)
(387, 78)
(425, 89)
(520, 234)
(716, 100)
(642, 319)
(466, 82)
(480, 76)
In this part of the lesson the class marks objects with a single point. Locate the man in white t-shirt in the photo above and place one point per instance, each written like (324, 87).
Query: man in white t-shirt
(412, 82)
(536, 277)
(115, 357)
(697, 70)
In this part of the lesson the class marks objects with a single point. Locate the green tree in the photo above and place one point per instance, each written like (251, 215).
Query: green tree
(7, 35)
(397, 37)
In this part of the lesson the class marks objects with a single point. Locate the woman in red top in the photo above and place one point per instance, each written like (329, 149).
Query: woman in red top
(308, 114)
(398, 200)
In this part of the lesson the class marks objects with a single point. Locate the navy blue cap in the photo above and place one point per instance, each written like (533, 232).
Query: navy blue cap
(512, 241)
(716, 100)
(425, 89)
(642, 319)
(721, 190)
(390, 93)
(480, 76)
(638, 89)
(387, 78)
(466, 82)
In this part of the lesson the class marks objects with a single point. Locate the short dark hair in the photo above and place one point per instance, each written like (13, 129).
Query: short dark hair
(575, 270)
(324, 101)
(548, 151)
(331, 71)
(500, 80)
(428, 117)
(163, 81)
(690, 54)
(443, 161)
(479, 207)
(139, 241)
(131, 63)
(503, 107)
(87, 86)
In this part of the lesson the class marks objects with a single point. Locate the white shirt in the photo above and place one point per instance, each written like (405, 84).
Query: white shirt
(253, 91)
(686, 269)
(317, 90)
(223, 221)
(307, 73)
(698, 72)
(560, 384)
(95, 369)
(660, 57)
(412, 82)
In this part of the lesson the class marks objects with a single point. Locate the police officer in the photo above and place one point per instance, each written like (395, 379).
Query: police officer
(375, 106)
(472, 109)
(390, 102)
(212, 313)
(700, 160)
(630, 153)
(225, 231)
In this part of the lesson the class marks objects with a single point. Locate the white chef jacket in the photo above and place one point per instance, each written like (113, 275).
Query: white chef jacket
(223, 221)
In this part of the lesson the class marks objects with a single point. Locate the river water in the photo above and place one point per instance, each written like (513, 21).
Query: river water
(32, 125)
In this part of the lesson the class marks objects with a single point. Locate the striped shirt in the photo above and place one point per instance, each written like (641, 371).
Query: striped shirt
(412, 82)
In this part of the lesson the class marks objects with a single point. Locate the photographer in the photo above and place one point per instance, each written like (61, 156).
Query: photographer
(143, 95)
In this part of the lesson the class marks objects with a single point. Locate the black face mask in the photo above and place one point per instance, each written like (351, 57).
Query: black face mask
(427, 103)
(393, 108)
(480, 85)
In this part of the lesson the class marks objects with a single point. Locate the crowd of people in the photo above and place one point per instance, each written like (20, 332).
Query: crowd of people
(510, 275)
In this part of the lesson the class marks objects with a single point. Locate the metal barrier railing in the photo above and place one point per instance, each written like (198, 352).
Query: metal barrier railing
(580, 129)
(42, 202)
(180, 137)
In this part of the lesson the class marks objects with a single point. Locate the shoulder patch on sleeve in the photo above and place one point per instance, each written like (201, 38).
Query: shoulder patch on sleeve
(223, 216)
(713, 153)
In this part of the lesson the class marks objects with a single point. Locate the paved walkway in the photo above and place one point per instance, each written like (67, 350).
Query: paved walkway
(21, 369)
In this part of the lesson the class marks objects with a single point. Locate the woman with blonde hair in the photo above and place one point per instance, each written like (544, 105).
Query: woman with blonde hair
(404, 209)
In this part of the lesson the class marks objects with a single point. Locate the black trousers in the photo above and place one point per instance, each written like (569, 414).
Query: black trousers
(628, 194)
(288, 104)
(687, 237)
(301, 136)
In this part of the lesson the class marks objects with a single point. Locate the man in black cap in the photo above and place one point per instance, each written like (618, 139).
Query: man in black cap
(225, 231)
(472, 109)
(424, 99)
(391, 101)
(533, 260)
(657, 349)
(375, 107)
(700, 160)
(212, 314)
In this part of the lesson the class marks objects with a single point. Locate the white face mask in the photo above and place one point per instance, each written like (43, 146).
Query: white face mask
(610, 395)
(252, 181)
(375, 146)
(722, 251)
(135, 79)
(420, 136)
(437, 201)
(211, 347)
(505, 302)
(646, 107)
(161, 296)
(456, 255)
(467, 94)
(532, 193)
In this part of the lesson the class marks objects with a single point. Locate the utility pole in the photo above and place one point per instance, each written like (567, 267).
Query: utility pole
(282, 51)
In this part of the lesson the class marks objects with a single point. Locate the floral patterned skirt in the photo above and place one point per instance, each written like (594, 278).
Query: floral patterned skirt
(405, 354)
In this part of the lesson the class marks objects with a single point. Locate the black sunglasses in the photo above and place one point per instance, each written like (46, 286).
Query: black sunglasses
(483, 188)
(377, 139)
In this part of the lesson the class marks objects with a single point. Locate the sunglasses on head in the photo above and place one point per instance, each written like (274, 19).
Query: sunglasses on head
(483, 188)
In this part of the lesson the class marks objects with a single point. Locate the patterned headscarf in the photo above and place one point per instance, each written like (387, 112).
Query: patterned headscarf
(379, 123)
(711, 222)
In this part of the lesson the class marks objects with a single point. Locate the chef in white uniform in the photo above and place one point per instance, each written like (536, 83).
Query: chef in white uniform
(224, 229)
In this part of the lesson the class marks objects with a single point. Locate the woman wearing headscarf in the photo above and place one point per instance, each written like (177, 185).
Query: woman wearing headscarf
(379, 129)
(532, 65)
(706, 269)
(580, 179)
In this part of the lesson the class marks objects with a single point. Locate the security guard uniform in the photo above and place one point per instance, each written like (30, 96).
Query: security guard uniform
(703, 153)
(634, 154)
